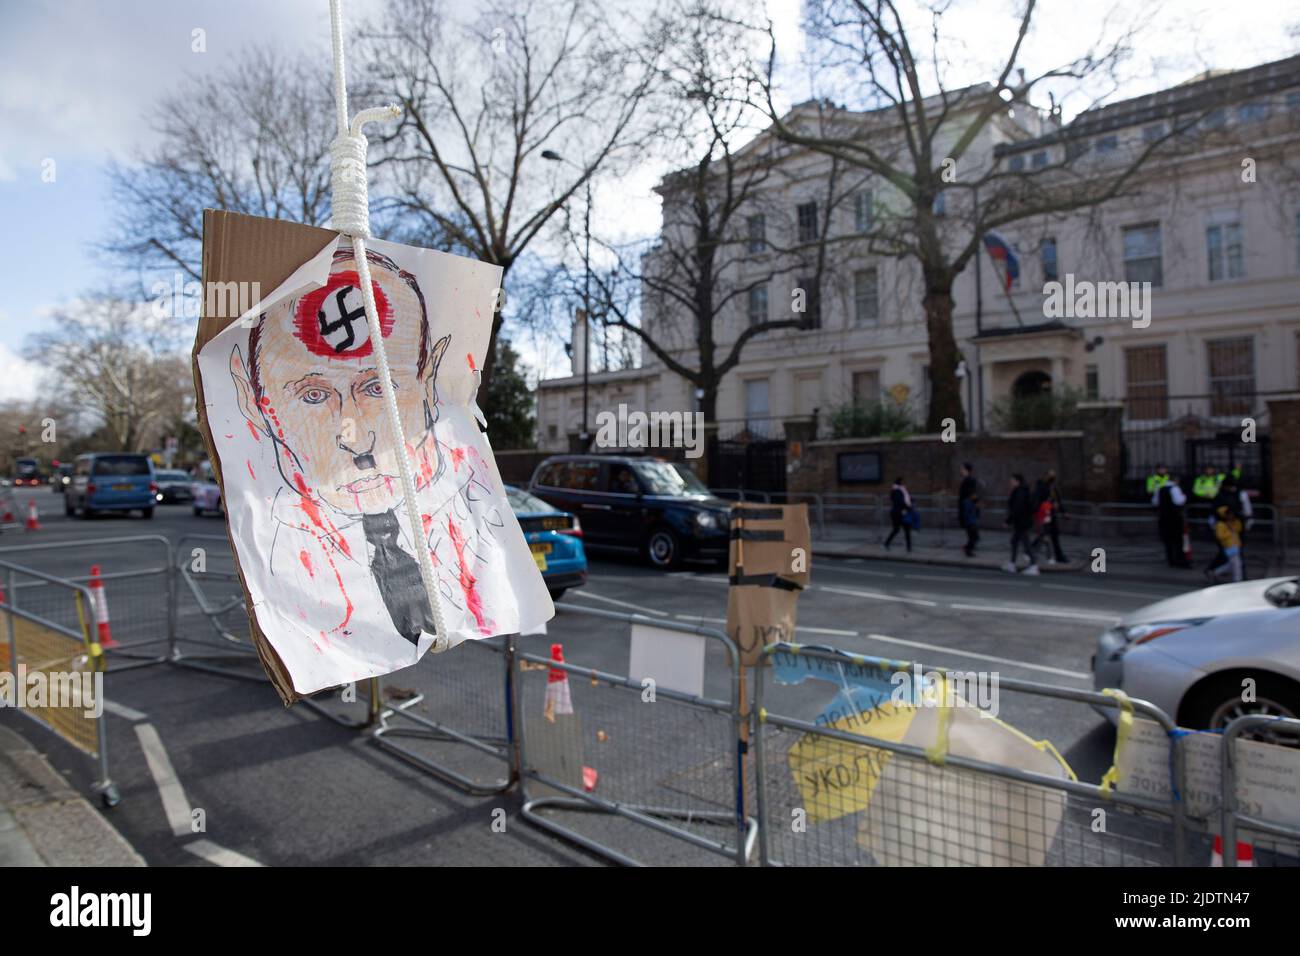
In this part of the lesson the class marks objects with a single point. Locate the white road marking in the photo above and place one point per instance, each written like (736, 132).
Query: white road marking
(876, 596)
(121, 710)
(585, 593)
(975, 655)
(175, 804)
(219, 854)
(1099, 591)
(827, 630)
(834, 565)
(1037, 612)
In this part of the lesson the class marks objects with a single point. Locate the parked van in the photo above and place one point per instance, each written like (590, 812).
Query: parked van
(111, 481)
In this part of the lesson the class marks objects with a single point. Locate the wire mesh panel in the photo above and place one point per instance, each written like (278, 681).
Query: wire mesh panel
(449, 714)
(1261, 792)
(638, 772)
(852, 774)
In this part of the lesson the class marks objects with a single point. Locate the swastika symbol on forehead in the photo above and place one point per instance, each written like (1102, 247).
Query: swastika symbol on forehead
(345, 320)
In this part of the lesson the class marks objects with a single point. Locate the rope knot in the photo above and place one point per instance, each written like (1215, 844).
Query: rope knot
(350, 211)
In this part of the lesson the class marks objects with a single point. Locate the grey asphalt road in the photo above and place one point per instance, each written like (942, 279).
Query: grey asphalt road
(284, 786)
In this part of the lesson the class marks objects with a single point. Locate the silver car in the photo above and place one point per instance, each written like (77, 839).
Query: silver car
(1190, 654)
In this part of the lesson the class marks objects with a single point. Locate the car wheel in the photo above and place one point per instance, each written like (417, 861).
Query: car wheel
(662, 549)
(146, 513)
(87, 512)
(198, 512)
(68, 509)
(1217, 702)
(557, 593)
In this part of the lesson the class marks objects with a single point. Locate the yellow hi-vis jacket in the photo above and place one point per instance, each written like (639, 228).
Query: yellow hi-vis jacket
(1155, 482)
(1207, 486)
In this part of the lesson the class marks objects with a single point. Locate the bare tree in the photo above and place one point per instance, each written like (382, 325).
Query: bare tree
(253, 138)
(933, 152)
(116, 360)
(685, 293)
(483, 100)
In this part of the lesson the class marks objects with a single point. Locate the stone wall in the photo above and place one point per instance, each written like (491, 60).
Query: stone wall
(1284, 425)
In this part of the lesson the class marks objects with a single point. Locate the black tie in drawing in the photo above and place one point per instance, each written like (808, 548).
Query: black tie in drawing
(398, 575)
(344, 321)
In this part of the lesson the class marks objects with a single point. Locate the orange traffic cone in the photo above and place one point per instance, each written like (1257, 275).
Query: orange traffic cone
(558, 700)
(33, 516)
(100, 601)
(1245, 853)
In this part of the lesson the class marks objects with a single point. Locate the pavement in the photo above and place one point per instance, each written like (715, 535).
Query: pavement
(45, 822)
(950, 556)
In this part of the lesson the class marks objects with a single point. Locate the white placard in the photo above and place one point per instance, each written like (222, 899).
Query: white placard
(672, 659)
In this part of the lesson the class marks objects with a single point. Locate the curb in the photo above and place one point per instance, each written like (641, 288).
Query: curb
(44, 822)
(986, 564)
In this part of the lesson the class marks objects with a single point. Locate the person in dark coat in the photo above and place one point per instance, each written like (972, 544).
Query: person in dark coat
(1020, 519)
(1171, 501)
(968, 512)
(900, 506)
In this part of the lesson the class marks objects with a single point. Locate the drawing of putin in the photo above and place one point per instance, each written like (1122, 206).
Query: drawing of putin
(310, 385)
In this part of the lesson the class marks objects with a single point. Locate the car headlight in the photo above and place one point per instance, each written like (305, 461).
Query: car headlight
(1142, 633)
(706, 519)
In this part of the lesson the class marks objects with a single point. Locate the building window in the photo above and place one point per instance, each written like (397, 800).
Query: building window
(1091, 383)
(1232, 374)
(1142, 259)
(1152, 132)
(1297, 242)
(1223, 248)
(756, 233)
(866, 387)
(1108, 144)
(1215, 119)
(864, 213)
(812, 302)
(1016, 163)
(940, 205)
(757, 304)
(866, 296)
(807, 216)
(1252, 112)
(1047, 251)
(1146, 383)
(1075, 148)
(552, 431)
(757, 410)
(1039, 159)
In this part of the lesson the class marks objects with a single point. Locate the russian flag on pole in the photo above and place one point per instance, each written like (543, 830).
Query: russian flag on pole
(1000, 250)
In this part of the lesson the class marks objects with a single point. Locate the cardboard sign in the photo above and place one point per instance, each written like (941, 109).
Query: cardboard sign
(770, 553)
(1268, 776)
(292, 411)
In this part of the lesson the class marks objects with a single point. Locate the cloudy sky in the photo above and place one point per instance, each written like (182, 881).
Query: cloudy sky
(78, 76)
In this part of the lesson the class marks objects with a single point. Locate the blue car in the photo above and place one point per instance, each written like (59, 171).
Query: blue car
(111, 481)
(555, 538)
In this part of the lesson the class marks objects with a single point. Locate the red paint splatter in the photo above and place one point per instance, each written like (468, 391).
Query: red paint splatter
(312, 510)
(257, 435)
(305, 558)
(469, 357)
(230, 436)
(457, 457)
(427, 521)
(251, 474)
(467, 584)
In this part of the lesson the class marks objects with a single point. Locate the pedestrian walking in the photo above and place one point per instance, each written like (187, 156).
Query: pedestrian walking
(968, 512)
(1227, 531)
(901, 515)
(1048, 509)
(1020, 518)
(1171, 521)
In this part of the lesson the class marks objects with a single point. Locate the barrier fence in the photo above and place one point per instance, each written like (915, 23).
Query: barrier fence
(679, 770)
(49, 647)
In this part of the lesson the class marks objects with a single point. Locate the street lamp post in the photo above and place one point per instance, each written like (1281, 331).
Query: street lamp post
(550, 154)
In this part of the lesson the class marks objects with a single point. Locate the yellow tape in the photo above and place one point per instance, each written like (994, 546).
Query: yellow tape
(762, 715)
(1111, 779)
(938, 754)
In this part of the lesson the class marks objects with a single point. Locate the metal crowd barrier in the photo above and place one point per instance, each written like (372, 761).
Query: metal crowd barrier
(48, 634)
(458, 704)
(668, 766)
(1279, 842)
(876, 800)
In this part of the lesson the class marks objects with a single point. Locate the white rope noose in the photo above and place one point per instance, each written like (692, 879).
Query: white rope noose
(350, 215)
